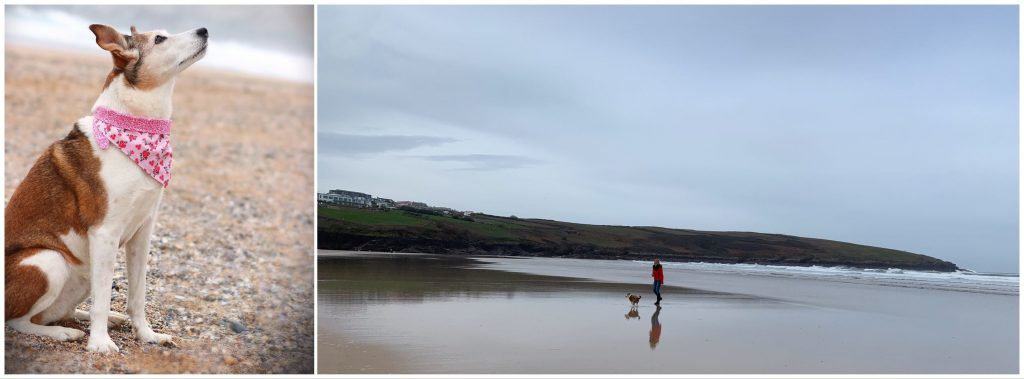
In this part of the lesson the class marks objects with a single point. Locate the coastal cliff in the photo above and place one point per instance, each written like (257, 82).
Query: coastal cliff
(409, 231)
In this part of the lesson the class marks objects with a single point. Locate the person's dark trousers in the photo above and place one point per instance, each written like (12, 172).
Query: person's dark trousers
(657, 289)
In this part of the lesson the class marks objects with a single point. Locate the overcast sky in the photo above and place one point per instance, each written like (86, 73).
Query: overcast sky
(888, 126)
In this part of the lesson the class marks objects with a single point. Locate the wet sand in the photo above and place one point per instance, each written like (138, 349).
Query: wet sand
(234, 237)
(398, 313)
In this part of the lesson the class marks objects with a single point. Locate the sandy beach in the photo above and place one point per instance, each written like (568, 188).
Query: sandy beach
(559, 316)
(231, 272)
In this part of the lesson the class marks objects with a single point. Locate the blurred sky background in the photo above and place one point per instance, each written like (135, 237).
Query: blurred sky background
(266, 40)
(891, 126)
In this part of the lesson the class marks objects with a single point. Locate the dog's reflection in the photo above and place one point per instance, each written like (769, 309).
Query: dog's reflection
(655, 334)
(633, 313)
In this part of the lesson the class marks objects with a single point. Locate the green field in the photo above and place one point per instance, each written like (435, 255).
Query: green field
(362, 217)
(400, 218)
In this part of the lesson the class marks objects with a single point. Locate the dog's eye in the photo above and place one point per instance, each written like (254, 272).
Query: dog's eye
(159, 39)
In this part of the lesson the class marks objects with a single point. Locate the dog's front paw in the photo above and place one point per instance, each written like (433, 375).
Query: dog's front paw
(102, 345)
(157, 338)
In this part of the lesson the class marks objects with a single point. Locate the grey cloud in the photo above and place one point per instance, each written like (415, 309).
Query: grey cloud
(485, 162)
(340, 144)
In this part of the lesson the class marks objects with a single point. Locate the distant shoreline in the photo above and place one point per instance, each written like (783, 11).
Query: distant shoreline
(959, 281)
(368, 252)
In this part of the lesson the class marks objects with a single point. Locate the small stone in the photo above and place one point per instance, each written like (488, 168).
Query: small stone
(236, 326)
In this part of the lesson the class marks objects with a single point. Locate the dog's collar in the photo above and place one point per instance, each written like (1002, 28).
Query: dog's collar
(135, 123)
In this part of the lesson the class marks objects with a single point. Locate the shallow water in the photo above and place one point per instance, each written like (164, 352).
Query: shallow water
(397, 313)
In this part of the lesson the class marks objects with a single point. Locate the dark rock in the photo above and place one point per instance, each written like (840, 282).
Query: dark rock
(236, 326)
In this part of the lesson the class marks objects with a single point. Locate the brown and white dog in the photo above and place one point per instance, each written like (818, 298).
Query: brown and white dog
(79, 204)
(635, 299)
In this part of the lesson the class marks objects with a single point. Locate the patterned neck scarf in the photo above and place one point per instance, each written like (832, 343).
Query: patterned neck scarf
(146, 141)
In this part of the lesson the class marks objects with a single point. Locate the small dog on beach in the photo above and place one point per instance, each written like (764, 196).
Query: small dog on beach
(96, 191)
(635, 299)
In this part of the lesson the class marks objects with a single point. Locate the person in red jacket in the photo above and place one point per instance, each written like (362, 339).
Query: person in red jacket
(659, 278)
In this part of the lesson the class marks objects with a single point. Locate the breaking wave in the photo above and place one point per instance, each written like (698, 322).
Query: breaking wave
(963, 280)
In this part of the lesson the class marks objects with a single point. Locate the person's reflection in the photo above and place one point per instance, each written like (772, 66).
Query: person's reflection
(655, 329)
(633, 313)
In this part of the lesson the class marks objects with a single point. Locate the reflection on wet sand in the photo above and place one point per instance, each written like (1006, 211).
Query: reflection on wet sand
(633, 313)
(655, 333)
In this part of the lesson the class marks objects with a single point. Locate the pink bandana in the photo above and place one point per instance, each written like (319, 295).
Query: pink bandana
(145, 140)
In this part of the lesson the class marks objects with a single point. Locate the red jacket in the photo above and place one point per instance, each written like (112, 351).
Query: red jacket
(658, 274)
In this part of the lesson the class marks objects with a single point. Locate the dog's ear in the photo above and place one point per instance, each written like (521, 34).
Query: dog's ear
(108, 38)
(116, 43)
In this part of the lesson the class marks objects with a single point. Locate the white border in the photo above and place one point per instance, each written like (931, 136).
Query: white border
(534, 2)
(312, 196)
(3, 167)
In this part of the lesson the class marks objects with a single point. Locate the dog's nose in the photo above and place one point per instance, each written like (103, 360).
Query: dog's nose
(202, 32)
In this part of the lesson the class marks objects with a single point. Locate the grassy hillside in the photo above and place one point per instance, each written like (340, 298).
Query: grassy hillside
(399, 230)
